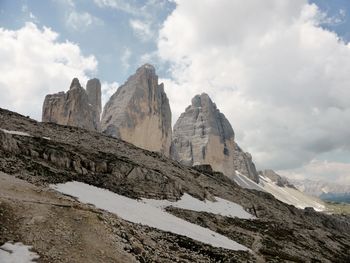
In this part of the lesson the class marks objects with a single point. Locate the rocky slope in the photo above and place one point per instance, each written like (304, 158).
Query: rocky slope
(78, 107)
(272, 183)
(203, 135)
(139, 112)
(276, 178)
(45, 153)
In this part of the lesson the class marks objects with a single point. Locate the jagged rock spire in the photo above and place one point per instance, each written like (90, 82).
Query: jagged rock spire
(139, 112)
(76, 107)
(203, 135)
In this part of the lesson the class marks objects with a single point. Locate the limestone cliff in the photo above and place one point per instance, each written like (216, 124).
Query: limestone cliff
(93, 90)
(139, 112)
(76, 107)
(203, 135)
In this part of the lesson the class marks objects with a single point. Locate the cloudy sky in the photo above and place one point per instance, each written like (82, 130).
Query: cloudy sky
(278, 69)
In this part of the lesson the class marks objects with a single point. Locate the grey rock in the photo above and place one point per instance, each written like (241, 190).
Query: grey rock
(243, 162)
(139, 112)
(8, 143)
(76, 107)
(93, 90)
(203, 135)
(274, 177)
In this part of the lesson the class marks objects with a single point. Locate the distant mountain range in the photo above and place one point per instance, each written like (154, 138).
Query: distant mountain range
(324, 190)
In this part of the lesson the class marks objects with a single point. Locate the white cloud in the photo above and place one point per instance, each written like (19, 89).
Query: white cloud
(28, 15)
(144, 15)
(33, 63)
(75, 20)
(334, 20)
(281, 79)
(108, 89)
(24, 8)
(125, 58)
(151, 58)
(320, 171)
(68, 3)
(81, 21)
(122, 5)
(142, 29)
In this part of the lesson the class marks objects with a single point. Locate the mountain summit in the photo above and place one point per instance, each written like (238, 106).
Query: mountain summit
(203, 135)
(77, 107)
(139, 112)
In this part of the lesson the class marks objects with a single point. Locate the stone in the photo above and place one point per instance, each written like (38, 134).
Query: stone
(203, 135)
(75, 107)
(139, 112)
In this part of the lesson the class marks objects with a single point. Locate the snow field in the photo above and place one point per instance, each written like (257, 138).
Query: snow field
(151, 212)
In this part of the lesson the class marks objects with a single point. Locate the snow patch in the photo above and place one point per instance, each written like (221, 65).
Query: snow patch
(150, 212)
(16, 253)
(220, 207)
(16, 132)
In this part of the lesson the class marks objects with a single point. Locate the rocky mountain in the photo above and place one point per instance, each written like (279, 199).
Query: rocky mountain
(77, 107)
(139, 112)
(203, 135)
(276, 178)
(317, 188)
(39, 161)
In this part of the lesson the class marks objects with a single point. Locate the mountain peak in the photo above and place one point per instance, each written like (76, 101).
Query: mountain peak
(139, 112)
(203, 135)
(75, 83)
(77, 107)
(147, 68)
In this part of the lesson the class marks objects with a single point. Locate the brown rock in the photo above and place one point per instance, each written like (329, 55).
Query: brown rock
(139, 112)
(75, 108)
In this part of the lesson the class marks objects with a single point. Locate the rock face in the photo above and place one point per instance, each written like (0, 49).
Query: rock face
(7, 142)
(203, 135)
(77, 107)
(93, 90)
(139, 112)
(274, 177)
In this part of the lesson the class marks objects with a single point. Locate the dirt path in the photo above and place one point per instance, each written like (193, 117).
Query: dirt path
(59, 229)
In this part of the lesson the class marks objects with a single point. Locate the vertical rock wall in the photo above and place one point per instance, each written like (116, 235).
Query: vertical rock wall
(139, 112)
(75, 107)
(203, 135)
